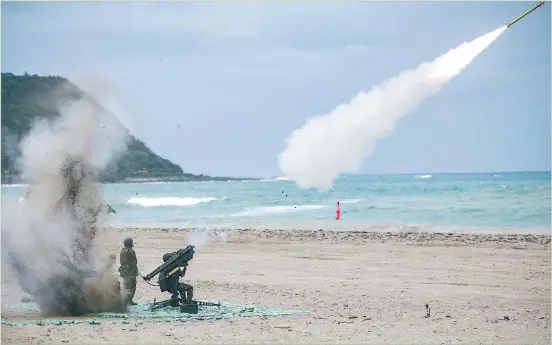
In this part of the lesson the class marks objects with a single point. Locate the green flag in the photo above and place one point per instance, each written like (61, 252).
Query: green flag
(110, 209)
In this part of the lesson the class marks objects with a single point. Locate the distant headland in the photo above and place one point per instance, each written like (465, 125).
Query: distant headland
(20, 111)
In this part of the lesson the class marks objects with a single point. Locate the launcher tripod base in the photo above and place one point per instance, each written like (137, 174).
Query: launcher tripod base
(185, 306)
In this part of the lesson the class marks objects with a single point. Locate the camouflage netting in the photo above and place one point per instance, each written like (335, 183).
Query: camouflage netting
(142, 314)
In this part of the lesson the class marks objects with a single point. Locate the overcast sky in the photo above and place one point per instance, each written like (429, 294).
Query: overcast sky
(217, 87)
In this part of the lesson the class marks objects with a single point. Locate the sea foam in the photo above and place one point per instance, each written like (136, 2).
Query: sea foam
(262, 210)
(169, 201)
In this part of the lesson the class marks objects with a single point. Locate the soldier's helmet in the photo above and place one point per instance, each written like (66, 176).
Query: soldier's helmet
(167, 256)
(128, 242)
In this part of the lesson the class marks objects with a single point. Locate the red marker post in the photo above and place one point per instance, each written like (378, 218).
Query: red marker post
(338, 212)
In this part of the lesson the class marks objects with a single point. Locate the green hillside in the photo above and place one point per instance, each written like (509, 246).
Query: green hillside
(20, 109)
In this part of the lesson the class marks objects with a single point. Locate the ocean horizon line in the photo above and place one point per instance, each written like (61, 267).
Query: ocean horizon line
(453, 173)
(283, 178)
(440, 173)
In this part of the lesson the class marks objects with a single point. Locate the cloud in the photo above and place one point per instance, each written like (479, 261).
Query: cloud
(291, 24)
(116, 18)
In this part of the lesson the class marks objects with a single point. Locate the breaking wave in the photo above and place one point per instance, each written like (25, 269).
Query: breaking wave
(262, 210)
(283, 178)
(351, 201)
(14, 185)
(173, 201)
(423, 176)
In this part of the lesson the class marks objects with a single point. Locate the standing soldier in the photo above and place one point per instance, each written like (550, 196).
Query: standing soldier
(128, 269)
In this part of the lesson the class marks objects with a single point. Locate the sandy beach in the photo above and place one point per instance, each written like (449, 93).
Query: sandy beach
(358, 287)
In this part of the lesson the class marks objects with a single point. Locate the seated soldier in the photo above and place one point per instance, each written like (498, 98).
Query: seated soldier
(170, 283)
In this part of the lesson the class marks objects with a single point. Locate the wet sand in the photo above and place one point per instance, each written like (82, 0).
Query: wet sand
(359, 287)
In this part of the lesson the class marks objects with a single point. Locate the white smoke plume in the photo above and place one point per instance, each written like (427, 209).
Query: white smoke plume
(200, 237)
(109, 95)
(339, 142)
(48, 241)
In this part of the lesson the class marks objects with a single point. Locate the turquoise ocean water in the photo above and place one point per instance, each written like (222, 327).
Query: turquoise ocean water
(510, 201)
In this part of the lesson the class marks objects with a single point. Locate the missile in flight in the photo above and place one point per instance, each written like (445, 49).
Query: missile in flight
(526, 13)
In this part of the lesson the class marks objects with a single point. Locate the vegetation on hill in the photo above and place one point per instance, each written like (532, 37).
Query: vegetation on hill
(21, 108)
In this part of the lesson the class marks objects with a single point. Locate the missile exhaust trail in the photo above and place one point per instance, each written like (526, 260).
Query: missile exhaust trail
(524, 14)
(339, 141)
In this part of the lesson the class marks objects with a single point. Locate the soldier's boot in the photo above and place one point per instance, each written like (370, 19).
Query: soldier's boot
(174, 300)
(187, 294)
(131, 296)
(129, 301)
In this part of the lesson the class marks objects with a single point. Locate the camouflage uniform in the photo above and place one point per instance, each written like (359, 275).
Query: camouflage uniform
(172, 285)
(129, 269)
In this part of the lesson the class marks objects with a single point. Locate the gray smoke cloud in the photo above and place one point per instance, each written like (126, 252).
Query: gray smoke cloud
(340, 141)
(48, 242)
